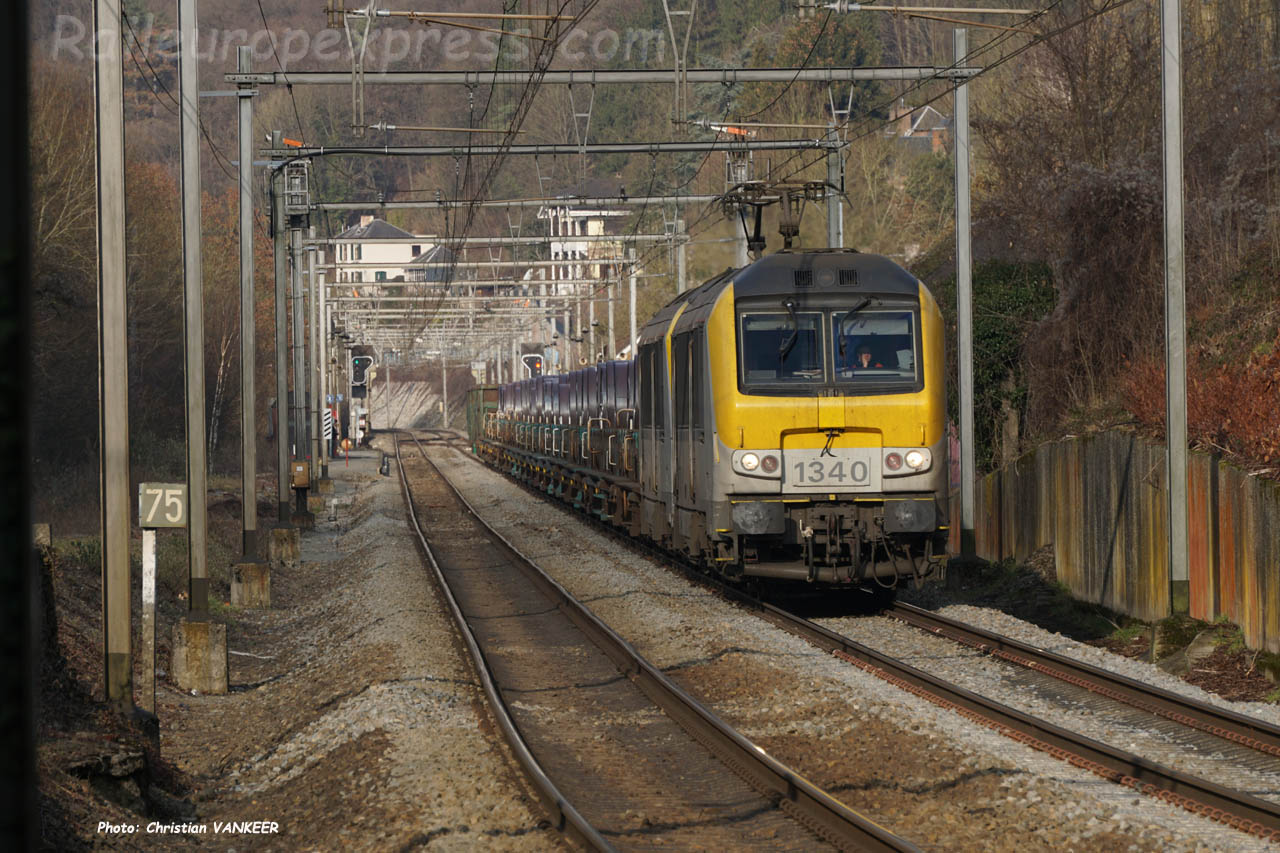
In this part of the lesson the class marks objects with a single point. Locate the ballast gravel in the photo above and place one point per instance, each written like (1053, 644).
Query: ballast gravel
(1071, 708)
(1010, 626)
(923, 771)
(355, 721)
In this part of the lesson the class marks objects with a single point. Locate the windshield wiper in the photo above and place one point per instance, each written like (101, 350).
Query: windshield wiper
(790, 342)
(866, 300)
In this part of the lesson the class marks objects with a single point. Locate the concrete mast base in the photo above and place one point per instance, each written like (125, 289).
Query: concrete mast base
(285, 546)
(251, 585)
(200, 656)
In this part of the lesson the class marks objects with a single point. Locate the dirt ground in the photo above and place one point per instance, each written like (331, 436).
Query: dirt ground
(353, 720)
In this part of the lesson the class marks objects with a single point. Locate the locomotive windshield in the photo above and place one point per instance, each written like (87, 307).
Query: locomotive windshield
(783, 347)
(863, 349)
(874, 346)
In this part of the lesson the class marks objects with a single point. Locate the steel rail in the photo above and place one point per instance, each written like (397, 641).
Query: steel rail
(817, 809)
(566, 818)
(1237, 809)
(1229, 725)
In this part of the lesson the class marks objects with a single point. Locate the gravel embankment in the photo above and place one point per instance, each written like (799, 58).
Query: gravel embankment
(922, 771)
(355, 721)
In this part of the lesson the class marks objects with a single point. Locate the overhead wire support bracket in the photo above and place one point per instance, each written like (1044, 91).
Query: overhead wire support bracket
(582, 128)
(679, 55)
(515, 227)
(358, 42)
(840, 114)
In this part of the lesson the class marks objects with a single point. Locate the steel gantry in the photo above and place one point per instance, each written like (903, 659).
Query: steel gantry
(627, 77)
(557, 149)
(583, 201)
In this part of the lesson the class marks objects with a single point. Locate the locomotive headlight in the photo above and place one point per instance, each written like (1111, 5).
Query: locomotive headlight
(758, 463)
(906, 461)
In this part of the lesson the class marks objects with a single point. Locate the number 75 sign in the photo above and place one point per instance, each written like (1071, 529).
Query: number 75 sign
(162, 504)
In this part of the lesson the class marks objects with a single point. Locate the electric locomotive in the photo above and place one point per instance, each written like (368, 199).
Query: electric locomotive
(782, 420)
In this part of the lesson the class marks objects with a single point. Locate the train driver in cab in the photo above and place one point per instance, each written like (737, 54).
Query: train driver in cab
(862, 359)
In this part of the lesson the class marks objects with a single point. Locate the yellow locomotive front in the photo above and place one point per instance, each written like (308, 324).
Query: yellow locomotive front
(829, 462)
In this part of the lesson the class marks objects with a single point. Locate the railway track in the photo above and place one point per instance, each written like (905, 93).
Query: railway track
(684, 759)
(1230, 726)
(1235, 808)
(1222, 803)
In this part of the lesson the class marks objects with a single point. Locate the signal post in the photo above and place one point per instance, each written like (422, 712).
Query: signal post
(360, 366)
(297, 200)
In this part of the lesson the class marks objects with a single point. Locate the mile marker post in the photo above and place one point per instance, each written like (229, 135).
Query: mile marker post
(159, 505)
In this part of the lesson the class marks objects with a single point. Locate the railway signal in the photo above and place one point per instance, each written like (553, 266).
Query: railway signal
(360, 365)
(533, 364)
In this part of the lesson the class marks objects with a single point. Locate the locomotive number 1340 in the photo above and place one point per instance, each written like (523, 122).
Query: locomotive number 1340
(828, 471)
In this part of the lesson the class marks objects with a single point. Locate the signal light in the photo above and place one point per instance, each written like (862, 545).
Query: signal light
(360, 365)
(532, 363)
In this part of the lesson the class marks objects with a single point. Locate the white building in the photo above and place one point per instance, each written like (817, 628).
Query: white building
(360, 245)
(567, 219)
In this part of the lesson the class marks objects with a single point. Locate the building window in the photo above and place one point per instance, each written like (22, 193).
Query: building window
(380, 275)
(359, 252)
(417, 250)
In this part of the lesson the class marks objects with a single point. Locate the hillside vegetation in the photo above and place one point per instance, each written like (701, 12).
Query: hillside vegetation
(1067, 196)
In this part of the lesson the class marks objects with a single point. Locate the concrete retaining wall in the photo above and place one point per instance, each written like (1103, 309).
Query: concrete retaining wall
(414, 405)
(1101, 502)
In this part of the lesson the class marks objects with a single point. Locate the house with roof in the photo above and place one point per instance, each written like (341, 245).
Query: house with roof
(436, 266)
(363, 253)
(923, 130)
